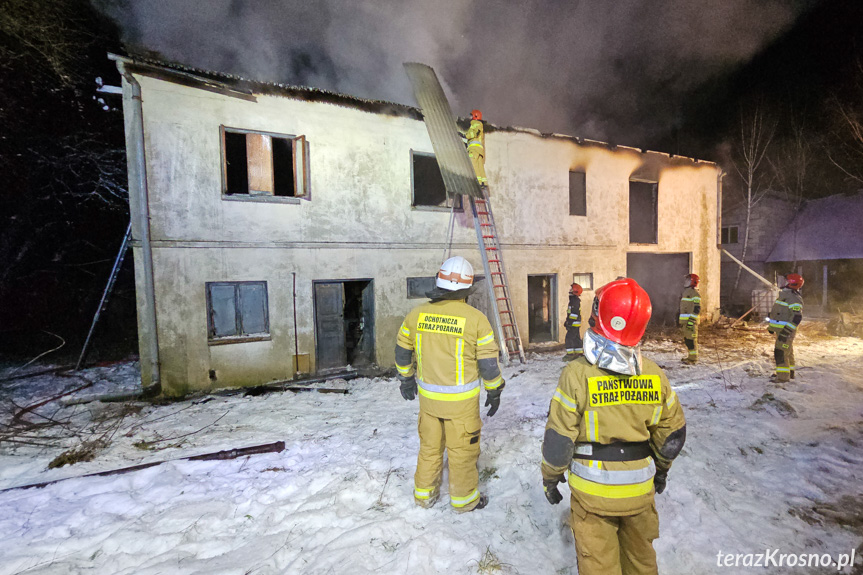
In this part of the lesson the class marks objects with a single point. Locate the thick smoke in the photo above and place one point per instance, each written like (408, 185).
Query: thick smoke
(614, 71)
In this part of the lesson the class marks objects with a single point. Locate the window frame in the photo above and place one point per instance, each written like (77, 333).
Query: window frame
(583, 286)
(655, 185)
(272, 199)
(722, 232)
(213, 339)
(408, 286)
(569, 182)
(447, 206)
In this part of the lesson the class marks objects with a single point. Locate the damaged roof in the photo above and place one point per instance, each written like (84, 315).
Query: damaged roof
(825, 229)
(151, 64)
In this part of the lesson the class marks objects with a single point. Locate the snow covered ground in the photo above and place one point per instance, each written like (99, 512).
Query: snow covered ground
(766, 466)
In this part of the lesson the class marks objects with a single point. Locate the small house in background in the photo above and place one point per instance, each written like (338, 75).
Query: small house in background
(769, 217)
(281, 231)
(824, 243)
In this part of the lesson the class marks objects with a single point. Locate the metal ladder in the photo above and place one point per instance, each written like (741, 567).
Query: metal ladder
(498, 285)
(103, 303)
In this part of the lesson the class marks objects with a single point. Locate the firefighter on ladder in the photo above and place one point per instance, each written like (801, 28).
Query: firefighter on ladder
(690, 307)
(786, 315)
(616, 425)
(455, 350)
(573, 324)
(475, 137)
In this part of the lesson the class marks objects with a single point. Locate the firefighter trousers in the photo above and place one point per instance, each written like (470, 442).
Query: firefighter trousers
(460, 439)
(572, 341)
(690, 339)
(783, 354)
(615, 545)
(477, 158)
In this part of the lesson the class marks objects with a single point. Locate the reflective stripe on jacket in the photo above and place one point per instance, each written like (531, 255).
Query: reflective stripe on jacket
(593, 405)
(787, 308)
(448, 338)
(475, 135)
(690, 305)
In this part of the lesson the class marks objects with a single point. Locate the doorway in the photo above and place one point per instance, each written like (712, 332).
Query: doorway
(344, 324)
(661, 276)
(542, 308)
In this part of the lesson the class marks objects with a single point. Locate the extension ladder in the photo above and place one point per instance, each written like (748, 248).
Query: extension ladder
(492, 263)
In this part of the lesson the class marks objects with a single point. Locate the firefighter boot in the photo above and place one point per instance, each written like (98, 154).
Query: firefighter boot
(692, 352)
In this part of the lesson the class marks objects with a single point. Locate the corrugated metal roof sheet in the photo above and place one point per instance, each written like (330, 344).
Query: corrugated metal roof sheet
(827, 229)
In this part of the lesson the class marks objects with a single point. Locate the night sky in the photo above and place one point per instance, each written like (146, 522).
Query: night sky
(624, 72)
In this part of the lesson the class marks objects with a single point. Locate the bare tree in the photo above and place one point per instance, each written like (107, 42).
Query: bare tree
(848, 130)
(756, 133)
(791, 162)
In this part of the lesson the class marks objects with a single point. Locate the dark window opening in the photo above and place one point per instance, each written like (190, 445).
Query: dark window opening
(237, 310)
(542, 322)
(257, 164)
(643, 215)
(729, 235)
(427, 182)
(577, 194)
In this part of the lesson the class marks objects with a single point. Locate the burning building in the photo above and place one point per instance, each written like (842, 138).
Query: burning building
(281, 230)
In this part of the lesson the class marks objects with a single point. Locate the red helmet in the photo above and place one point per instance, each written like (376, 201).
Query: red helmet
(621, 310)
(575, 289)
(794, 281)
(692, 280)
(476, 115)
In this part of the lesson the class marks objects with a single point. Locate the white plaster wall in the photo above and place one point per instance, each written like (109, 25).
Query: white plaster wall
(359, 223)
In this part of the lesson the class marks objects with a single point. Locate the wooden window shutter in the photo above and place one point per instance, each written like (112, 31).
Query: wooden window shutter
(259, 153)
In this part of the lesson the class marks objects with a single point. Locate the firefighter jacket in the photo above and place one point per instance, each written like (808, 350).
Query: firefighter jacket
(592, 408)
(787, 312)
(690, 306)
(475, 137)
(573, 313)
(454, 350)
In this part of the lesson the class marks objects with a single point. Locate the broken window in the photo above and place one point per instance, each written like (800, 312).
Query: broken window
(427, 183)
(729, 235)
(577, 194)
(643, 216)
(237, 310)
(259, 164)
(419, 287)
(584, 280)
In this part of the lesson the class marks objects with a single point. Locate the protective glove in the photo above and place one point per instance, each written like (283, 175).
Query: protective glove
(408, 388)
(551, 491)
(690, 324)
(492, 398)
(659, 481)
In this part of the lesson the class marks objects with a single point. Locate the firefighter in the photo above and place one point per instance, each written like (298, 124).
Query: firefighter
(690, 307)
(476, 146)
(786, 315)
(617, 425)
(455, 350)
(573, 324)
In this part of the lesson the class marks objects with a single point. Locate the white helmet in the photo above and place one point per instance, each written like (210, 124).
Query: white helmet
(455, 274)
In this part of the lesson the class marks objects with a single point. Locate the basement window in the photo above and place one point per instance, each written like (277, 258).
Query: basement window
(264, 166)
(427, 184)
(643, 214)
(419, 287)
(577, 194)
(729, 235)
(237, 311)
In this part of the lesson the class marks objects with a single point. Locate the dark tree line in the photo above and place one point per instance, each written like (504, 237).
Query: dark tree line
(63, 195)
